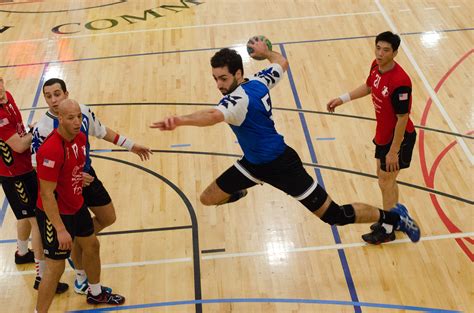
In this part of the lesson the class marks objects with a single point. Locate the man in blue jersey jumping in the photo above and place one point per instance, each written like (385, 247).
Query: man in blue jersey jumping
(247, 108)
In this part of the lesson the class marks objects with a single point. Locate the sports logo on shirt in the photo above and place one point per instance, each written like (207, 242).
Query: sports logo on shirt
(385, 91)
(75, 149)
(268, 74)
(4, 121)
(48, 163)
(229, 99)
(77, 179)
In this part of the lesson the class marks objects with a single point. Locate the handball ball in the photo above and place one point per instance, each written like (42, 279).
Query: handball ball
(253, 39)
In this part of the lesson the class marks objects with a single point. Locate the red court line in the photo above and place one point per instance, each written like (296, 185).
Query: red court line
(429, 176)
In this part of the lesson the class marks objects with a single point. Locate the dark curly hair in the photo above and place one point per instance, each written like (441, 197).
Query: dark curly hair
(230, 58)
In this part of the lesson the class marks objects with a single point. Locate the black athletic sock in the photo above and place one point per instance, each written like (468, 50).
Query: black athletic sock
(388, 220)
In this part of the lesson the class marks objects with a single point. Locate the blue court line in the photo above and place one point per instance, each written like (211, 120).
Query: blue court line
(7, 241)
(38, 93)
(326, 138)
(100, 150)
(270, 300)
(180, 145)
(218, 48)
(335, 232)
(3, 211)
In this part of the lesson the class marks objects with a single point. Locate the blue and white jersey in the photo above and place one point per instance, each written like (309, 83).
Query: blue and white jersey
(90, 126)
(248, 111)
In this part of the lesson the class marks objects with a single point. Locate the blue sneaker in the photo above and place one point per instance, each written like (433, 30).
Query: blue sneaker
(83, 288)
(406, 223)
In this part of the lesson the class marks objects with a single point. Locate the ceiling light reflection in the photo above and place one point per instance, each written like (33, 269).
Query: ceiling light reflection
(430, 39)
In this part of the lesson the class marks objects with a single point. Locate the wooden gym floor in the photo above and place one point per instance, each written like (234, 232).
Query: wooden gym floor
(136, 62)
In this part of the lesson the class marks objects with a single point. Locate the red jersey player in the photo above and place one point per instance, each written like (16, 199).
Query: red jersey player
(395, 136)
(19, 182)
(62, 213)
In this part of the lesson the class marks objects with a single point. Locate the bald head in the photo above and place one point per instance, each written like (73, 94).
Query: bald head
(70, 118)
(68, 106)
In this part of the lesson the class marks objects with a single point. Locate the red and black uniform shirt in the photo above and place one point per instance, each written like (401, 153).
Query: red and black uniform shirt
(11, 123)
(391, 95)
(63, 162)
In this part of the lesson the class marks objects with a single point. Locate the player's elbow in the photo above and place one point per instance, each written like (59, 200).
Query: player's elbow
(215, 117)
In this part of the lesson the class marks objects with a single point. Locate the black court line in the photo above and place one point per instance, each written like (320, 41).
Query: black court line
(374, 36)
(194, 223)
(212, 251)
(147, 230)
(274, 108)
(430, 190)
(332, 168)
(65, 10)
(218, 48)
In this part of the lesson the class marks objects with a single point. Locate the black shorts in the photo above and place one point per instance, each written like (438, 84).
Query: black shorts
(404, 155)
(21, 192)
(77, 225)
(286, 173)
(95, 194)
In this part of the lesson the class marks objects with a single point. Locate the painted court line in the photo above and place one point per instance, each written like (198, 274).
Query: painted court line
(358, 304)
(326, 138)
(246, 254)
(427, 85)
(112, 265)
(289, 19)
(180, 145)
(332, 247)
(312, 17)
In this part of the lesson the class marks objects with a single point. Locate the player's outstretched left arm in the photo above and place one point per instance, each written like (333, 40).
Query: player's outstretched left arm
(142, 151)
(200, 118)
(261, 51)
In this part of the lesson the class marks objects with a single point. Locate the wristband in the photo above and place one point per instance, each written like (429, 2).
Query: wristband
(345, 97)
(123, 141)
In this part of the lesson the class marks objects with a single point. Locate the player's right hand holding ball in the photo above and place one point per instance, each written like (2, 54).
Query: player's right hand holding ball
(259, 47)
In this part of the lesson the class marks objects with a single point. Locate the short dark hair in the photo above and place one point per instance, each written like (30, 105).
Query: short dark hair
(53, 81)
(230, 58)
(391, 38)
